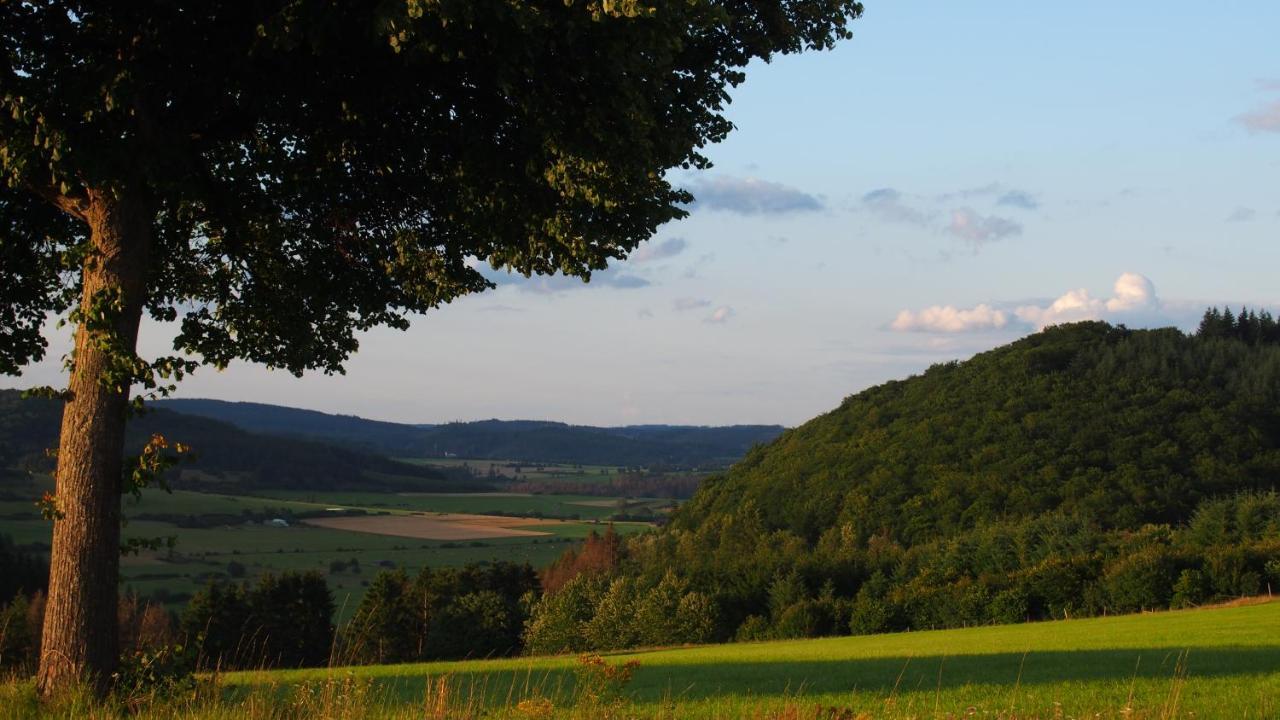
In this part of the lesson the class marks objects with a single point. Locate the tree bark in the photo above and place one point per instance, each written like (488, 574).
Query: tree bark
(80, 644)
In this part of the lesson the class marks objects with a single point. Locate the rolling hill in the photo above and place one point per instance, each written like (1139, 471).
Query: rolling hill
(1125, 427)
(517, 440)
(1083, 470)
(227, 458)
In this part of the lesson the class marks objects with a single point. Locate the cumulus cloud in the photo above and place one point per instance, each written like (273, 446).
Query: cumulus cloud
(721, 315)
(948, 318)
(1241, 214)
(888, 205)
(690, 303)
(1133, 301)
(649, 251)
(978, 229)
(751, 196)
(1018, 199)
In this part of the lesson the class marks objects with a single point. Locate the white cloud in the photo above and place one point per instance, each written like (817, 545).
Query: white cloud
(948, 318)
(1132, 291)
(648, 252)
(721, 315)
(978, 229)
(1133, 301)
(751, 196)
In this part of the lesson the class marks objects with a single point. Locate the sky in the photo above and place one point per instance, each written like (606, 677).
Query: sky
(954, 177)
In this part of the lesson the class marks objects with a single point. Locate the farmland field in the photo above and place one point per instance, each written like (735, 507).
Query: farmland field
(585, 507)
(1211, 663)
(224, 537)
(442, 526)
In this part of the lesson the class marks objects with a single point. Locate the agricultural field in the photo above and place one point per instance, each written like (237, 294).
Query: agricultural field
(232, 537)
(584, 507)
(1208, 663)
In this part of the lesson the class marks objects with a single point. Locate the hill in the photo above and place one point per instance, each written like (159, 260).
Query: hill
(517, 440)
(1084, 470)
(227, 458)
(1125, 427)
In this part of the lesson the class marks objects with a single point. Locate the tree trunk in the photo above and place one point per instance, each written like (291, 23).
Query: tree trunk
(80, 642)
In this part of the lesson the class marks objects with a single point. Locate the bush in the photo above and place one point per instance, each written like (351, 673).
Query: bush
(1142, 580)
(1191, 589)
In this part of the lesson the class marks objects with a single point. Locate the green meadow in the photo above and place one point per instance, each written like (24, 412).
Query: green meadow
(1208, 663)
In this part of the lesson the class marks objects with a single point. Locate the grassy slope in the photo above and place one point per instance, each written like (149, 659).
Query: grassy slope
(1230, 669)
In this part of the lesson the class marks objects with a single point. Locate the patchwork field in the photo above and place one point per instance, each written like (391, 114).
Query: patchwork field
(1210, 663)
(231, 537)
(566, 507)
(442, 526)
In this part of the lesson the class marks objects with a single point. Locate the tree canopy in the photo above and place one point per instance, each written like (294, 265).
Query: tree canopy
(350, 162)
(277, 176)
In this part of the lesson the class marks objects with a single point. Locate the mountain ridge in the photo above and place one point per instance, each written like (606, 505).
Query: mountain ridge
(517, 440)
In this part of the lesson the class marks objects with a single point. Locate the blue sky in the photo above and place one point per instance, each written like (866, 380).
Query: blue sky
(955, 176)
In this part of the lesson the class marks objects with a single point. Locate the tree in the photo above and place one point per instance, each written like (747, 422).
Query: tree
(211, 163)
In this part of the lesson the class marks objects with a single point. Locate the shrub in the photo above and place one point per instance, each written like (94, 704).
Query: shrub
(1191, 589)
(1141, 580)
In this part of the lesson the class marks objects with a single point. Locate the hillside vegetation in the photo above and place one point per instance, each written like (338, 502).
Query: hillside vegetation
(226, 458)
(1124, 427)
(1084, 470)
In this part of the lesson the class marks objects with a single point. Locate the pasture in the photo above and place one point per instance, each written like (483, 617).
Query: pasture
(1209, 663)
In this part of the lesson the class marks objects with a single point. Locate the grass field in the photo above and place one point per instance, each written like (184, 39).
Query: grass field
(1211, 663)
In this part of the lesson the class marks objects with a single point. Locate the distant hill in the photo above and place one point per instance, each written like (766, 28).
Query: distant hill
(518, 440)
(388, 438)
(227, 458)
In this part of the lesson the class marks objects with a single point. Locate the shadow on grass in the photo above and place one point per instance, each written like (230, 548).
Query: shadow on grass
(875, 675)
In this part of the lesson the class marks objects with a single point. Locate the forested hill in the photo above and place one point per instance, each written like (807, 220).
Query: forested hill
(1124, 427)
(520, 440)
(227, 458)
